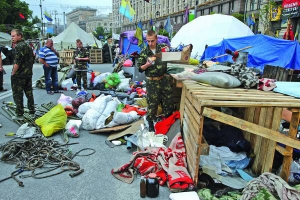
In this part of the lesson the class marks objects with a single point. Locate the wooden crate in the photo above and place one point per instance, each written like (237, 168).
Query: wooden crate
(66, 56)
(260, 123)
(96, 56)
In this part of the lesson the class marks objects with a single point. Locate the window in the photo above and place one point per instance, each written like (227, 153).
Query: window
(220, 8)
(252, 5)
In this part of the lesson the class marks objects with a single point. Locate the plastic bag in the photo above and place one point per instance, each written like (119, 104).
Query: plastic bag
(53, 121)
(25, 131)
(72, 128)
(64, 100)
(67, 84)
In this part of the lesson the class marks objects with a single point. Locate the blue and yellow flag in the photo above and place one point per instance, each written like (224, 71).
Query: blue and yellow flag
(48, 16)
(126, 9)
(139, 34)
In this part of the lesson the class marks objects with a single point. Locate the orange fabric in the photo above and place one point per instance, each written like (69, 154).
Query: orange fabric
(129, 108)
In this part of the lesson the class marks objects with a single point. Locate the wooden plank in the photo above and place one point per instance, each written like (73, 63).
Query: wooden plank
(271, 145)
(247, 104)
(199, 142)
(251, 94)
(192, 125)
(283, 151)
(293, 130)
(191, 143)
(246, 98)
(193, 112)
(249, 115)
(250, 127)
(182, 102)
(259, 145)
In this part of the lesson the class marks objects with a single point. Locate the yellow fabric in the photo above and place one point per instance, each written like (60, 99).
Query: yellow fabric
(53, 121)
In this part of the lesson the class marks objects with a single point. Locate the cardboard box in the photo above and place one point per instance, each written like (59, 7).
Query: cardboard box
(178, 57)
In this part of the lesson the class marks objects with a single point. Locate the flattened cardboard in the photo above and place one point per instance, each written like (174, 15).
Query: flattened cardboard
(135, 126)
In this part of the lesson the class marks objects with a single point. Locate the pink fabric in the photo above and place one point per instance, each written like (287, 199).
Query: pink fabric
(169, 164)
(266, 84)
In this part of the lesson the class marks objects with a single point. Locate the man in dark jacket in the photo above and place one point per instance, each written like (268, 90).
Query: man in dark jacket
(81, 57)
(159, 90)
(21, 75)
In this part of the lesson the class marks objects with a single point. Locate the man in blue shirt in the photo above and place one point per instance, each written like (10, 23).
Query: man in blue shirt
(49, 58)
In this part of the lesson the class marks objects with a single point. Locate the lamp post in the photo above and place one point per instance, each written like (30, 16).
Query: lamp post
(42, 20)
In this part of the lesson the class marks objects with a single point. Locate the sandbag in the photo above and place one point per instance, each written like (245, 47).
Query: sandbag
(89, 119)
(123, 118)
(218, 79)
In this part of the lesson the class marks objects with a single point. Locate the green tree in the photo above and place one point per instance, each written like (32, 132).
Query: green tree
(10, 18)
(238, 16)
(99, 31)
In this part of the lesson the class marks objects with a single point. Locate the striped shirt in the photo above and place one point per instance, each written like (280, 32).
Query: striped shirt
(49, 56)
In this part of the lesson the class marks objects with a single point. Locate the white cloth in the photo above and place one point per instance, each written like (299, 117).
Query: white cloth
(184, 196)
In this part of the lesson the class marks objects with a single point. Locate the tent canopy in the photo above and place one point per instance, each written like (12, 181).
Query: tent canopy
(265, 50)
(129, 43)
(5, 39)
(67, 39)
(209, 30)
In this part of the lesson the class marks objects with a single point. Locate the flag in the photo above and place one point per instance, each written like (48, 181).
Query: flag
(21, 16)
(139, 34)
(48, 16)
(253, 19)
(168, 27)
(186, 15)
(250, 21)
(126, 9)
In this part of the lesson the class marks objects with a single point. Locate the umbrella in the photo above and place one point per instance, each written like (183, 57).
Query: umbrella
(209, 30)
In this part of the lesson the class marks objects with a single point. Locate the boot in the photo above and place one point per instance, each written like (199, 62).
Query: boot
(151, 126)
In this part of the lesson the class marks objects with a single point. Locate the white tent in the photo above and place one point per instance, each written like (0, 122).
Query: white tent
(67, 39)
(5, 39)
(209, 30)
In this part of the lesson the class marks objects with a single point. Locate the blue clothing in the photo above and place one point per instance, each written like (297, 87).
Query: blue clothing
(51, 78)
(49, 56)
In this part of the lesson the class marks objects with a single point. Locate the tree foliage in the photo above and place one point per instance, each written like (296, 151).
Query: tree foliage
(10, 18)
(238, 16)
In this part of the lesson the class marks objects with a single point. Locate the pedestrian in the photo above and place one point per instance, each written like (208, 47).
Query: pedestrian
(2, 72)
(159, 90)
(81, 58)
(49, 58)
(21, 75)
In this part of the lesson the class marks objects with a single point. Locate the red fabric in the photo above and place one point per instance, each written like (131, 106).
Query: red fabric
(168, 164)
(163, 126)
(129, 108)
(291, 35)
(266, 84)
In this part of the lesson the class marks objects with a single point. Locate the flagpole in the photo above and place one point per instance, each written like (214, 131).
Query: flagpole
(42, 28)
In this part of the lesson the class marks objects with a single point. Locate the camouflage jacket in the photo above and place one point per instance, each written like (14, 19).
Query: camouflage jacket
(159, 68)
(24, 58)
(81, 53)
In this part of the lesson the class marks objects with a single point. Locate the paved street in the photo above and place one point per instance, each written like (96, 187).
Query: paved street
(94, 183)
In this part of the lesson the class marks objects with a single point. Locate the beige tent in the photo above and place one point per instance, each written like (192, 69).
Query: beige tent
(5, 39)
(67, 39)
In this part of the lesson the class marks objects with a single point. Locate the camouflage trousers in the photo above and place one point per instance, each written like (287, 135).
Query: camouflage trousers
(83, 75)
(19, 87)
(159, 92)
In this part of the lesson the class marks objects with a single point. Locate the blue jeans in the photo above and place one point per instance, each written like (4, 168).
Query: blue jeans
(51, 78)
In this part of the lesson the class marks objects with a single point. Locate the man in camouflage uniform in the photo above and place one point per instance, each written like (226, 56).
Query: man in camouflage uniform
(159, 90)
(81, 57)
(21, 75)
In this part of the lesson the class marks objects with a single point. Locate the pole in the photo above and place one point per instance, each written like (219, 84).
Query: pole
(64, 20)
(42, 31)
(245, 11)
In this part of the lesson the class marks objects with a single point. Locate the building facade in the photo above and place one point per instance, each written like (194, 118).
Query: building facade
(80, 15)
(106, 21)
(159, 10)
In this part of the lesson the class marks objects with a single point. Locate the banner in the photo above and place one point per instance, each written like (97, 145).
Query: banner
(290, 8)
(275, 13)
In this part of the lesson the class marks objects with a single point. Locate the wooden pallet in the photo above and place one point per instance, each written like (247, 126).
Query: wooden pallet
(96, 56)
(260, 122)
(66, 57)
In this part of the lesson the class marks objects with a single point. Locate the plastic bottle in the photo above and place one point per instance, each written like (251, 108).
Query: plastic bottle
(152, 186)
(143, 187)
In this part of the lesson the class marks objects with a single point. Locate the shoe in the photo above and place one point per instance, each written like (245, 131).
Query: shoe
(3, 90)
(50, 92)
(18, 118)
(58, 92)
(151, 126)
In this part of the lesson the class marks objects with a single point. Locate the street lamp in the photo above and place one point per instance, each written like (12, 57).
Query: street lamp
(42, 19)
